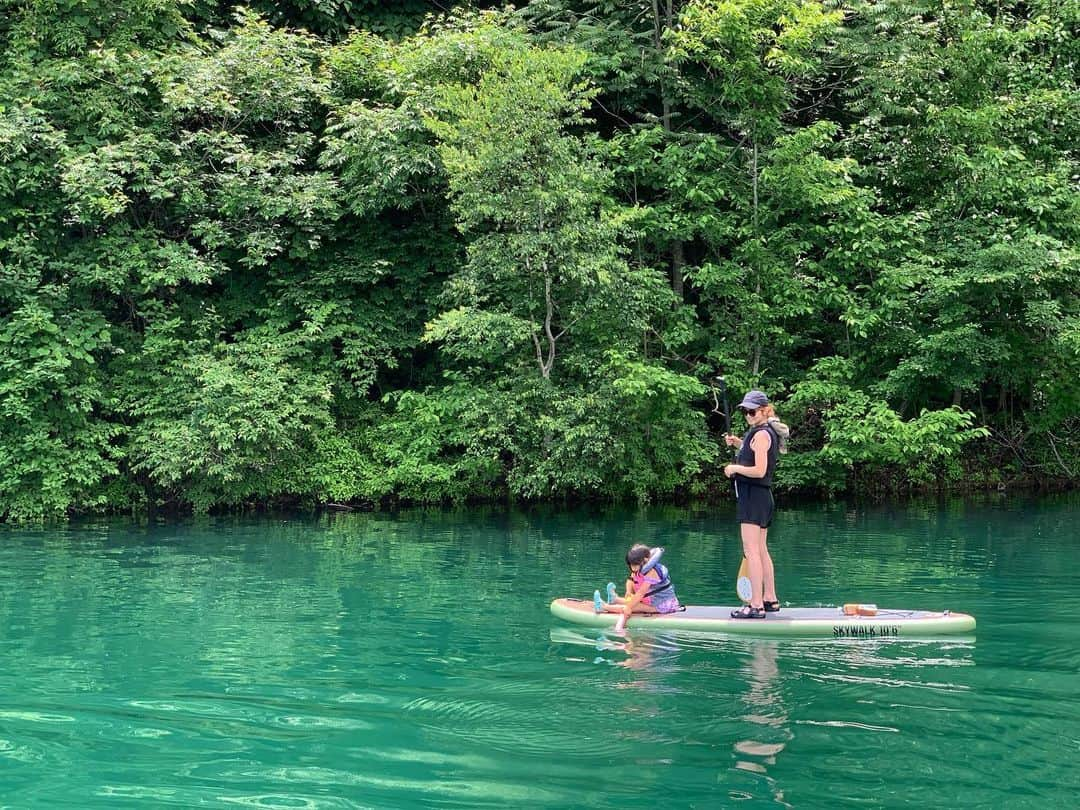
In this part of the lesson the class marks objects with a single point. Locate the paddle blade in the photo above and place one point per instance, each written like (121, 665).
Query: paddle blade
(742, 582)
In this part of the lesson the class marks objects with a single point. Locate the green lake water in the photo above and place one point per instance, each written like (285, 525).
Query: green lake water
(410, 661)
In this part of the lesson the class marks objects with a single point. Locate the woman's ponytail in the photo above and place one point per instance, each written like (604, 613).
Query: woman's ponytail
(782, 430)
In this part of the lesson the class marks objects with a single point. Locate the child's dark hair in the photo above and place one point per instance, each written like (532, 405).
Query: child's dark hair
(637, 555)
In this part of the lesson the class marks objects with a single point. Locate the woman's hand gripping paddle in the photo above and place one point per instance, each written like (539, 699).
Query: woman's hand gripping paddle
(742, 580)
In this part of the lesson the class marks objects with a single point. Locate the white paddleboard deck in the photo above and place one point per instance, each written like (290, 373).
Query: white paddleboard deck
(821, 622)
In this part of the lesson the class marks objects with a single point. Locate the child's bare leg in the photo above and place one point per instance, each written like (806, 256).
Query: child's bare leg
(620, 625)
(627, 610)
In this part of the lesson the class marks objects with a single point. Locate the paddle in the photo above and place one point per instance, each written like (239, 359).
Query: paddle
(727, 411)
(742, 582)
(742, 579)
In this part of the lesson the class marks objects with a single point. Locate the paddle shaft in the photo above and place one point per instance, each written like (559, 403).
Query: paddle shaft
(727, 411)
(727, 422)
(744, 572)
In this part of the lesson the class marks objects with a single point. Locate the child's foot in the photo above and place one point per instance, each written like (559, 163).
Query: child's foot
(611, 593)
(598, 606)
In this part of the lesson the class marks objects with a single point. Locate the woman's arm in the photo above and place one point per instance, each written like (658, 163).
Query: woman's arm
(760, 445)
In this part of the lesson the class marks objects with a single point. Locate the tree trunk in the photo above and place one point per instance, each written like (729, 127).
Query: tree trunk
(660, 24)
(756, 339)
(678, 262)
(546, 363)
(548, 334)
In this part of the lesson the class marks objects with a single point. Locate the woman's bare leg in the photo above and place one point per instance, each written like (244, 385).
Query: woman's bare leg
(752, 547)
(768, 573)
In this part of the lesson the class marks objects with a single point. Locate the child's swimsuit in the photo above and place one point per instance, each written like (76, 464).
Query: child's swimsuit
(662, 596)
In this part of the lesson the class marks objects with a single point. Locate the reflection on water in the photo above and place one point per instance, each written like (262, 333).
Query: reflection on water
(410, 661)
(764, 702)
(762, 682)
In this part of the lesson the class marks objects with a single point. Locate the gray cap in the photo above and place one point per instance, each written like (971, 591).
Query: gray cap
(752, 401)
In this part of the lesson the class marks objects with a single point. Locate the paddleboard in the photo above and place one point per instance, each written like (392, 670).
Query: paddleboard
(828, 622)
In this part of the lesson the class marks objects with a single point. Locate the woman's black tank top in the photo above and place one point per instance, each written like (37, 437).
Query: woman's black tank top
(746, 456)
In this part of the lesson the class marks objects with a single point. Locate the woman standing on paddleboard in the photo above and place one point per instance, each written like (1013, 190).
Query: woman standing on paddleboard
(753, 469)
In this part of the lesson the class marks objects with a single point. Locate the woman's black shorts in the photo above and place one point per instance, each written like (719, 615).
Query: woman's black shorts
(755, 505)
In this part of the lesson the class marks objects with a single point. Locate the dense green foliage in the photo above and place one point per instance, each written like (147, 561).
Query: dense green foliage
(329, 251)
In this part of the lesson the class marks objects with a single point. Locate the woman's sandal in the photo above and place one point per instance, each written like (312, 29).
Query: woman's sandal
(747, 612)
(772, 607)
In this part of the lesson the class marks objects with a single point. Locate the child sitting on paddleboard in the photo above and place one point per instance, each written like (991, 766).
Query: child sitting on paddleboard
(648, 587)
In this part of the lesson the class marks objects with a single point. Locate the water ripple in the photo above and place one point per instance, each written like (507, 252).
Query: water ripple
(409, 661)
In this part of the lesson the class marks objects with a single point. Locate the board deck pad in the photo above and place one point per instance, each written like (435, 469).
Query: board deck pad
(811, 622)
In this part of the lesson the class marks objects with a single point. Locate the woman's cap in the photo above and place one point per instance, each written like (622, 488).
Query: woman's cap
(753, 400)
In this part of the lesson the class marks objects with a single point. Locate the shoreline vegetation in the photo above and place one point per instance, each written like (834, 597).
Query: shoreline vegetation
(370, 254)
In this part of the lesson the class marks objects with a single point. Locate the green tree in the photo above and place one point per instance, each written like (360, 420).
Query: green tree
(528, 194)
(968, 117)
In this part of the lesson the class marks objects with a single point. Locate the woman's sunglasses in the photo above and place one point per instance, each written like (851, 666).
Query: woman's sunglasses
(749, 411)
